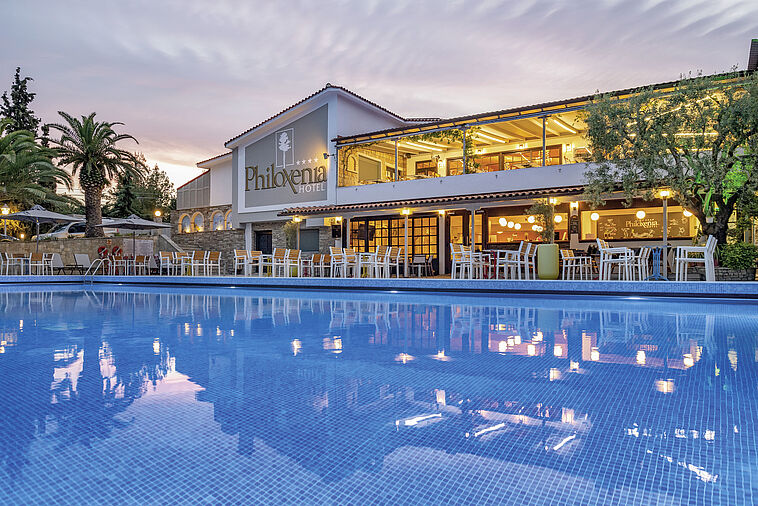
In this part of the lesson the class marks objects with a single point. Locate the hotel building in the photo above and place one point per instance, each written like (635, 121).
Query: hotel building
(351, 173)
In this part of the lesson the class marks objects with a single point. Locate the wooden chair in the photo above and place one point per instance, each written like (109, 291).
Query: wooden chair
(254, 261)
(241, 260)
(212, 260)
(141, 267)
(37, 265)
(278, 261)
(166, 261)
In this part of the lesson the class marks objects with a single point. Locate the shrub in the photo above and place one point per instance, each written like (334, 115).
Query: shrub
(740, 255)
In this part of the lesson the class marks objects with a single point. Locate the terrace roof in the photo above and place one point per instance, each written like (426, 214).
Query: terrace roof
(433, 201)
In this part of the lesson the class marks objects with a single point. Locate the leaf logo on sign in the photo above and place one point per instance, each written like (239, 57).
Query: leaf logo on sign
(284, 142)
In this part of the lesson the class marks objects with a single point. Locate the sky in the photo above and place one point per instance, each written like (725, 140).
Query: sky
(185, 76)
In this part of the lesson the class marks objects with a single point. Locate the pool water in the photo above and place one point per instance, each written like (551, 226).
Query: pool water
(151, 395)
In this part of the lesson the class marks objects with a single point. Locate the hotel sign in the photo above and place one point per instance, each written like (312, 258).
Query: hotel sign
(288, 165)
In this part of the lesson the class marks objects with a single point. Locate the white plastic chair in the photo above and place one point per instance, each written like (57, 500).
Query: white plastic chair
(683, 259)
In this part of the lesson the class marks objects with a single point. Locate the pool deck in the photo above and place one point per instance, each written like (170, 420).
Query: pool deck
(742, 290)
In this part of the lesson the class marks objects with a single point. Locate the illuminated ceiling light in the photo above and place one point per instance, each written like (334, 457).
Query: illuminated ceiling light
(503, 222)
(427, 143)
(535, 227)
(558, 218)
(490, 137)
(564, 126)
(640, 214)
(441, 212)
(553, 200)
(530, 219)
(517, 226)
(574, 205)
(297, 219)
(421, 147)
(686, 213)
(594, 216)
(511, 224)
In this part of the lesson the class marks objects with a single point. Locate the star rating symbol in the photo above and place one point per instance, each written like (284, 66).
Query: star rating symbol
(297, 162)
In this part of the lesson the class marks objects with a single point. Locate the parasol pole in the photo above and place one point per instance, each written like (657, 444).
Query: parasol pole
(37, 222)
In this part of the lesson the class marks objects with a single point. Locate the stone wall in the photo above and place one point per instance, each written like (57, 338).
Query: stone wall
(207, 213)
(67, 247)
(225, 241)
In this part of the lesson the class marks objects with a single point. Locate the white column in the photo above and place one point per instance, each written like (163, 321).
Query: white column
(472, 223)
(405, 248)
(248, 236)
(297, 236)
(347, 231)
(665, 255)
(441, 246)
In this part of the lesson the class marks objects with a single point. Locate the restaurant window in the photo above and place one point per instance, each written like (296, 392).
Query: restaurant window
(521, 227)
(636, 223)
(531, 157)
(454, 166)
(489, 163)
(427, 168)
(369, 170)
(367, 234)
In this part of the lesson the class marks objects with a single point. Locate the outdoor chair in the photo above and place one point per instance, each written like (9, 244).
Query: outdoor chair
(254, 261)
(241, 260)
(610, 257)
(278, 261)
(396, 259)
(337, 262)
(292, 262)
(82, 262)
(512, 262)
(117, 265)
(380, 264)
(140, 265)
(575, 266)
(212, 261)
(326, 264)
(166, 262)
(641, 263)
(421, 265)
(530, 258)
(37, 264)
(686, 255)
(459, 268)
(198, 262)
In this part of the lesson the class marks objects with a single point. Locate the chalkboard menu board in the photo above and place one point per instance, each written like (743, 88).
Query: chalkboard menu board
(628, 226)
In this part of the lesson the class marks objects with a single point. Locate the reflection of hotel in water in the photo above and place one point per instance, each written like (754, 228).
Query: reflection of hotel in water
(369, 376)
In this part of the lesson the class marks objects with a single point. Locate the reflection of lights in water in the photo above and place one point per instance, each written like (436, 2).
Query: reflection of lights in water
(710, 435)
(156, 346)
(531, 350)
(404, 358)
(440, 397)
(218, 331)
(733, 358)
(231, 332)
(486, 430)
(700, 472)
(567, 415)
(296, 346)
(574, 366)
(595, 354)
(641, 358)
(517, 339)
(555, 374)
(186, 329)
(502, 346)
(199, 330)
(2, 349)
(21, 324)
(441, 354)
(537, 336)
(562, 442)
(688, 360)
(665, 386)
(717, 371)
(558, 350)
(410, 422)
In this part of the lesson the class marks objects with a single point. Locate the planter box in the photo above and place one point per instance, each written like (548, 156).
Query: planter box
(726, 274)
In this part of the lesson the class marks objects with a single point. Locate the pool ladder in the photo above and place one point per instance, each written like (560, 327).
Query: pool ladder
(96, 264)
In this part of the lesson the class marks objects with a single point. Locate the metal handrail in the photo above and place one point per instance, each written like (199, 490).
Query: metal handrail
(97, 263)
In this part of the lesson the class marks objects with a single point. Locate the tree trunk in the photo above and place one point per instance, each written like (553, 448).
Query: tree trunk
(716, 229)
(93, 196)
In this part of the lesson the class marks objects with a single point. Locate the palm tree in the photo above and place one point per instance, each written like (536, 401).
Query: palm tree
(27, 173)
(90, 148)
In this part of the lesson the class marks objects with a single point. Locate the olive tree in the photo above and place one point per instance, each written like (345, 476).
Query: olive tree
(698, 137)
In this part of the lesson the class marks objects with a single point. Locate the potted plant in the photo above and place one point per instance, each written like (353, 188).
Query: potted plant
(547, 253)
(737, 262)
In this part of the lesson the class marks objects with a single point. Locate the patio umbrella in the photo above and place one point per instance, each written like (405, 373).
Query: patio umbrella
(134, 223)
(38, 214)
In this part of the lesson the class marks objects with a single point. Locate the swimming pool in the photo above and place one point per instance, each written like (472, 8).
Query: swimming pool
(160, 395)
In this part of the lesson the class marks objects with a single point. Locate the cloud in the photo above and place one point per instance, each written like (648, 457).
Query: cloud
(187, 75)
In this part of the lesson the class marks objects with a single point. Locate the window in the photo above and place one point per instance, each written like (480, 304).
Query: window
(369, 169)
(454, 166)
(367, 234)
(521, 227)
(228, 220)
(217, 222)
(489, 163)
(197, 222)
(309, 239)
(184, 224)
(77, 228)
(427, 168)
(625, 224)
(531, 157)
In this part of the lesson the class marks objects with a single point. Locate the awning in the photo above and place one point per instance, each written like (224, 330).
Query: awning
(433, 201)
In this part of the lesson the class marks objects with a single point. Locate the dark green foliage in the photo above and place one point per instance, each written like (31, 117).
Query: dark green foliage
(16, 107)
(740, 255)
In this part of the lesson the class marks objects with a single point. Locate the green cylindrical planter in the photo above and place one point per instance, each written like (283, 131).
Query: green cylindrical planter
(547, 261)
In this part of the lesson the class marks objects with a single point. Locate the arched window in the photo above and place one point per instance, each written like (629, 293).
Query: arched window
(228, 220)
(184, 224)
(217, 221)
(197, 222)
